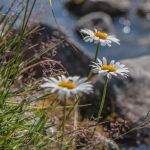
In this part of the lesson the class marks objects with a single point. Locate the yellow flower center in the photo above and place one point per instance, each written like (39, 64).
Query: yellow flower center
(101, 35)
(109, 68)
(67, 84)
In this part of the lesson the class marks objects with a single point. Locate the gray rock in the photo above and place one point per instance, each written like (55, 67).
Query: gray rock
(53, 44)
(112, 7)
(143, 9)
(133, 95)
(94, 100)
(145, 41)
(98, 20)
(130, 96)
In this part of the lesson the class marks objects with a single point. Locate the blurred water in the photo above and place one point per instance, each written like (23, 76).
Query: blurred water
(142, 147)
(133, 31)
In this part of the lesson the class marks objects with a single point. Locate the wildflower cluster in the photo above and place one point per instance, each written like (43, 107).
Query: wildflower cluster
(99, 37)
(76, 86)
(113, 68)
(66, 86)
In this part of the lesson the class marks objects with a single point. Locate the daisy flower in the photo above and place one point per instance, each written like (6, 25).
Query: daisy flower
(113, 68)
(99, 37)
(67, 86)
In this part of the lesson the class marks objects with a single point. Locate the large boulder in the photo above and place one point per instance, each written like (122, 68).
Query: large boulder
(94, 100)
(112, 7)
(132, 95)
(143, 9)
(129, 98)
(56, 52)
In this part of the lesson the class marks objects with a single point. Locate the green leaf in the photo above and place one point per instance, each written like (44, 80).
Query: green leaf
(51, 2)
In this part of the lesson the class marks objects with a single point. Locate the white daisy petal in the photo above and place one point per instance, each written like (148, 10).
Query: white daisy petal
(99, 61)
(95, 30)
(66, 86)
(45, 79)
(52, 79)
(111, 69)
(99, 37)
(108, 75)
(112, 62)
(45, 85)
(104, 61)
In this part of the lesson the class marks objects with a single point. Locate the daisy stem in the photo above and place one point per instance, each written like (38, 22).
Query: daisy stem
(63, 123)
(103, 99)
(76, 115)
(75, 125)
(95, 58)
(97, 51)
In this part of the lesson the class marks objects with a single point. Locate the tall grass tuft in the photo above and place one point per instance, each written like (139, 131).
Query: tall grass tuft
(22, 124)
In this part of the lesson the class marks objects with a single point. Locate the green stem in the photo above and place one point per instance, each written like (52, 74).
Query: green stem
(97, 51)
(132, 130)
(103, 99)
(75, 125)
(95, 58)
(76, 115)
(72, 108)
(63, 124)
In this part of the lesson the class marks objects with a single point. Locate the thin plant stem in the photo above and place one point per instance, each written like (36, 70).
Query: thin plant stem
(95, 58)
(75, 124)
(76, 115)
(63, 123)
(102, 103)
(103, 99)
(68, 115)
(97, 51)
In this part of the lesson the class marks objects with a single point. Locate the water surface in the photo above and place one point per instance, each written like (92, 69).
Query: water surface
(133, 31)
